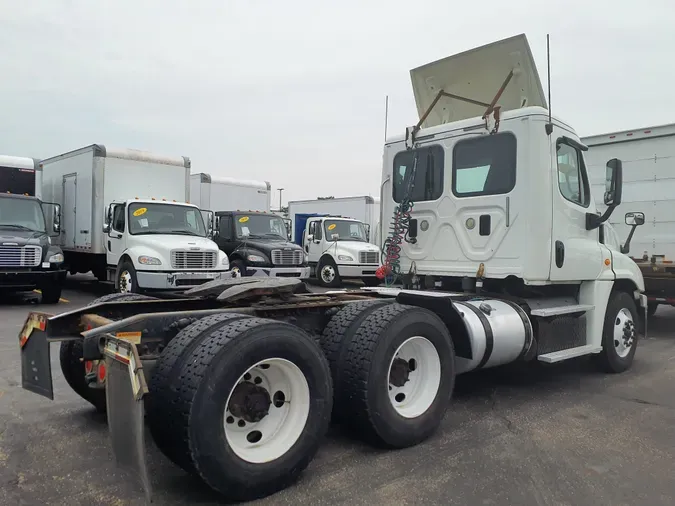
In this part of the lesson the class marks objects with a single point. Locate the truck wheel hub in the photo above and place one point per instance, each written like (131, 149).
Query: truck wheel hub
(250, 402)
(624, 333)
(399, 373)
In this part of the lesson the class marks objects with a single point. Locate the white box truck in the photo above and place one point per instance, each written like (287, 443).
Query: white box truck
(365, 209)
(20, 176)
(125, 217)
(648, 156)
(229, 194)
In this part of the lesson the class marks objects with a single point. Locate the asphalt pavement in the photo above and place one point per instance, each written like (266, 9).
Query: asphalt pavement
(558, 435)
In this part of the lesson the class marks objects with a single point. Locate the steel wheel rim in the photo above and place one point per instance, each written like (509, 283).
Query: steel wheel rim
(272, 436)
(236, 272)
(419, 391)
(624, 332)
(125, 282)
(327, 273)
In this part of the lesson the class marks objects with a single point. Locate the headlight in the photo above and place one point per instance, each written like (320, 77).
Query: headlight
(145, 260)
(225, 261)
(345, 258)
(56, 259)
(255, 258)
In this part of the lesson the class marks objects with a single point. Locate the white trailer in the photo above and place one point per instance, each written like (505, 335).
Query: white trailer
(115, 204)
(648, 156)
(229, 194)
(20, 175)
(365, 209)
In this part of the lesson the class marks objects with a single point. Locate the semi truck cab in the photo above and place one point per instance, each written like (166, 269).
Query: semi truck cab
(159, 245)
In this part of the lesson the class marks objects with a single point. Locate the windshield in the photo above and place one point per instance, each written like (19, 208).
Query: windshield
(345, 230)
(260, 225)
(146, 218)
(21, 214)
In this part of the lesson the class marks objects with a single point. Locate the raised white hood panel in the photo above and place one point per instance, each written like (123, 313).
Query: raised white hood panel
(478, 74)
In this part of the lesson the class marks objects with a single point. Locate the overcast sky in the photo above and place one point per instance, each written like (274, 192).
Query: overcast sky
(293, 92)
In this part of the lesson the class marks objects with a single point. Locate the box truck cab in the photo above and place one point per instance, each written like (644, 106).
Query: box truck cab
(127, 218)
(257, 245)
(160, 246)
(338, 249)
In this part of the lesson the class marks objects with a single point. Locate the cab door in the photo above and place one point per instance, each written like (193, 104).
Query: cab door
(116, 240)
(576, 252)
(311, 240)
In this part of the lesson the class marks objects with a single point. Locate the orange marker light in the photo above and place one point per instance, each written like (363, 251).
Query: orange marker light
(607, 262)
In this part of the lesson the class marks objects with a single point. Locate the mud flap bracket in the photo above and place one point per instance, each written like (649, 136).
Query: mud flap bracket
(125, 388)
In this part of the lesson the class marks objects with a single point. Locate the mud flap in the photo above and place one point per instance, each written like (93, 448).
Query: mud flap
(36, 367)
(125, 388)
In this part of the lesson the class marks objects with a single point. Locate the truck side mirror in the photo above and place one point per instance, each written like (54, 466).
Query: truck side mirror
(612, 197)
(310, 238)
(613, 182)
(56, 222)
(633, 220)
(108, 220)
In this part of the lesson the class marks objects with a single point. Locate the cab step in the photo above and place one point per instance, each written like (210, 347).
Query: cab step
(579, 351)
(560, 310)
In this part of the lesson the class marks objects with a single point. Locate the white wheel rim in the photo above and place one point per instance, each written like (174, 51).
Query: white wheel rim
(327, 273)
(125, 282)
(236, 273)
(418, 393)
(276, 433)
(624, 333)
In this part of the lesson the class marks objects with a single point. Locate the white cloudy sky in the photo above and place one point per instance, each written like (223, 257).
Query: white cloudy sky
(293, 92)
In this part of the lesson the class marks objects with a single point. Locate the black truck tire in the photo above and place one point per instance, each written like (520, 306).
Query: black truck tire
(165, 383)
(327, 273)
(619, 334)
(396, 345)
(341, 328)
(238, 268)
(126, 280)
(70, 358)
(238, 361)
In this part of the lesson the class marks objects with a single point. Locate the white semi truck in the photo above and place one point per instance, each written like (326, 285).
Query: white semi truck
(648, 156)
(125, 217)
(229, 194)
(244, 375)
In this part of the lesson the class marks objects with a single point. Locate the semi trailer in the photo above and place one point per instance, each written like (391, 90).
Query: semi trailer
(229, 194)
(500, 260)
(126, 218)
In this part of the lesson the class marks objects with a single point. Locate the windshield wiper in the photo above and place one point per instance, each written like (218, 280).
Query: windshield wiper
(18, 227)
(183, 232)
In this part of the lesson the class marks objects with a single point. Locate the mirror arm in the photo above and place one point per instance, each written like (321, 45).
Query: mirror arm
(593, 221)
(626, 247)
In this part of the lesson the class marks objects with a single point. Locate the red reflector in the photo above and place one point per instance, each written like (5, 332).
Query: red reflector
(88, 366)
(648, 131)
(628, 135)
(612, 136)
(101, 371)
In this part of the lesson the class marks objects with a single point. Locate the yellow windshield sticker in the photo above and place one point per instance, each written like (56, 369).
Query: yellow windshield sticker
(243, 219)
(332, 226)
(140, 211)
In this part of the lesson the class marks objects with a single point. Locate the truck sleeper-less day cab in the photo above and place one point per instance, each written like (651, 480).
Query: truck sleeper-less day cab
(126, 219)
(28, 260)
(257, 245)
(338, 249)
(241, 377)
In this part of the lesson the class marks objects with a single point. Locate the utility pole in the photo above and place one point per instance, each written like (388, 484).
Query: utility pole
(280, 190)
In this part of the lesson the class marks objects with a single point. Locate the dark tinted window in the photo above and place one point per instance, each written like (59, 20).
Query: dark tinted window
(572, 179)
(484, 165)
(118, 218)
(19, 181)
(427, 183)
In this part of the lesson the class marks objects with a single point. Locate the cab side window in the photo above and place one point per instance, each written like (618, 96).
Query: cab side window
(118, 218)
(572, 178)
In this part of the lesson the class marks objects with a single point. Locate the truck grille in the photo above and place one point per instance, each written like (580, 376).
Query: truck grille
(288, 257)
(17, 256)
(193, 259)
(369, 257)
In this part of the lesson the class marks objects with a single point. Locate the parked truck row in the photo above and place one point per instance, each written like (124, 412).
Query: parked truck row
(143, 223)
(239, 379)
